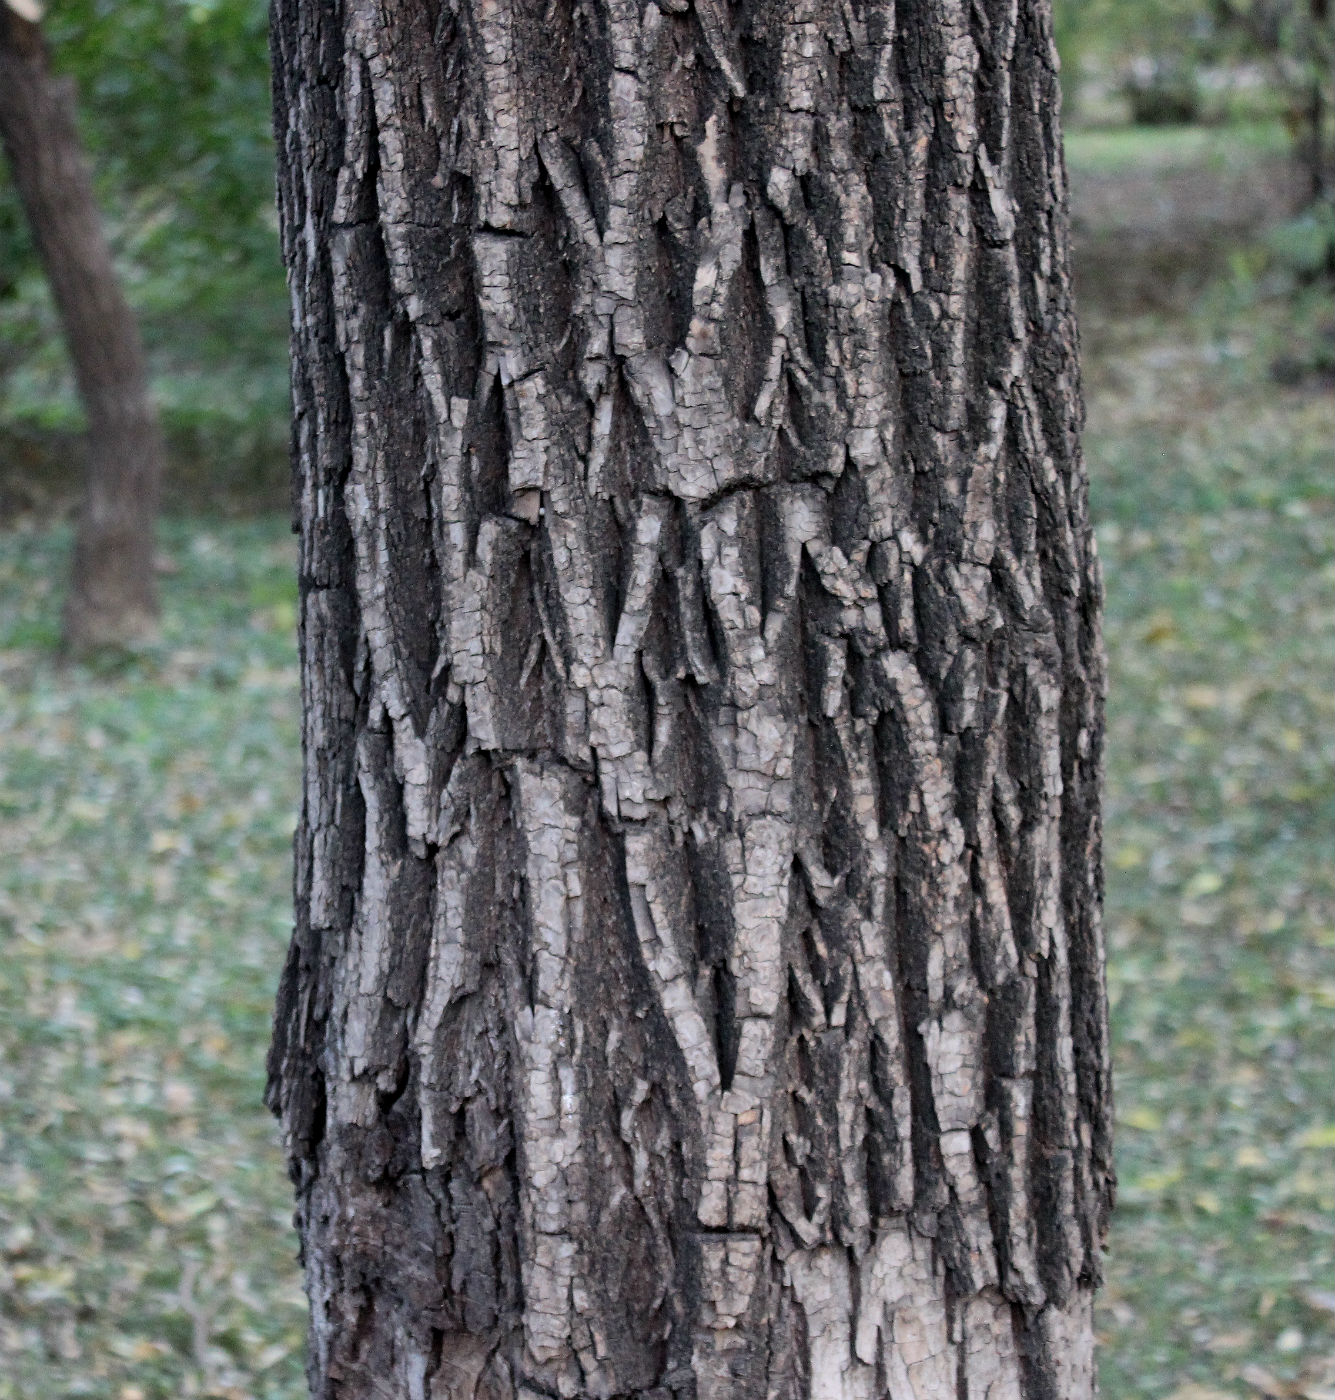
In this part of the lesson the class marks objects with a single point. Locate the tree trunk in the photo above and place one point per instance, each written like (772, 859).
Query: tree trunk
(697, 987)
(113, 594)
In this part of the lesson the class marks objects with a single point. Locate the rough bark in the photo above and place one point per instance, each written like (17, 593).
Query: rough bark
(697, 984)
(113, 595)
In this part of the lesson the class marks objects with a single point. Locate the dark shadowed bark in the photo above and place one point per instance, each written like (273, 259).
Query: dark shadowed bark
(113, 597)
(697, 988)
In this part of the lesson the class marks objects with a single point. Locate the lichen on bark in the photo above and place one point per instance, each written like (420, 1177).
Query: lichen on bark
(697, 983)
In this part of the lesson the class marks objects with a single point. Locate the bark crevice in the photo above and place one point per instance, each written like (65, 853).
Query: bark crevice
(698, 879)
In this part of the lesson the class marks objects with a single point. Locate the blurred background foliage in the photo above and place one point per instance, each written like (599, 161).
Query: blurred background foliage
(146, 801)
(174, 101)
(175, 111)
(1162, 62)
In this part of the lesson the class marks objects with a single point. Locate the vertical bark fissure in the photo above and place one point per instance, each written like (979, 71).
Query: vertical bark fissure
(697, 981)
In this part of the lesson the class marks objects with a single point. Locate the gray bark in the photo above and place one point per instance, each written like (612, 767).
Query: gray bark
(697, 987)
(113, 593)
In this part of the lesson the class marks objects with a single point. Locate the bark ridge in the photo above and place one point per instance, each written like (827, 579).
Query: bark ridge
(697, 984)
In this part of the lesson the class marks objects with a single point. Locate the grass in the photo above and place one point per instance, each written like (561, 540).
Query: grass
(145, 818)
(1142, 149)
(145, 827)
(1215, 506)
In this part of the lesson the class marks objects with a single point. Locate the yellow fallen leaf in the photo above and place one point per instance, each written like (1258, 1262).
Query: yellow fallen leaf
(1154, 1182)
(1230, 1341)
(189, 1209)
(1147, 1120)
(1203, 882)
(1195, 1038)
(129, 1129)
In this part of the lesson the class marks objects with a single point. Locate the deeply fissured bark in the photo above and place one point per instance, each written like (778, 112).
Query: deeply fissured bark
(697, 986)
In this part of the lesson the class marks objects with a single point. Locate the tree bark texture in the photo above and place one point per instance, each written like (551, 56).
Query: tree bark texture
(697, 988)
(113, 594)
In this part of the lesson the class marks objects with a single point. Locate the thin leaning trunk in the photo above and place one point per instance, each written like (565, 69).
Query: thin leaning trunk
(697, 988)
(113, 594)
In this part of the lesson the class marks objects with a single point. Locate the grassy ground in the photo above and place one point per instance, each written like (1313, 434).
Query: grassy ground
(145, 827)
(1213, 493)
(1101, 150)
(1214, 499)
(145, 817)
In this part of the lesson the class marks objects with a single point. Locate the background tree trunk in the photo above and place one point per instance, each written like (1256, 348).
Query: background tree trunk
(113, 595)
(697, 986)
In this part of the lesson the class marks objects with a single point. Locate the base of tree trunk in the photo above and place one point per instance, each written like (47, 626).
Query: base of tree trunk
(108, 605)
(113, 597)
